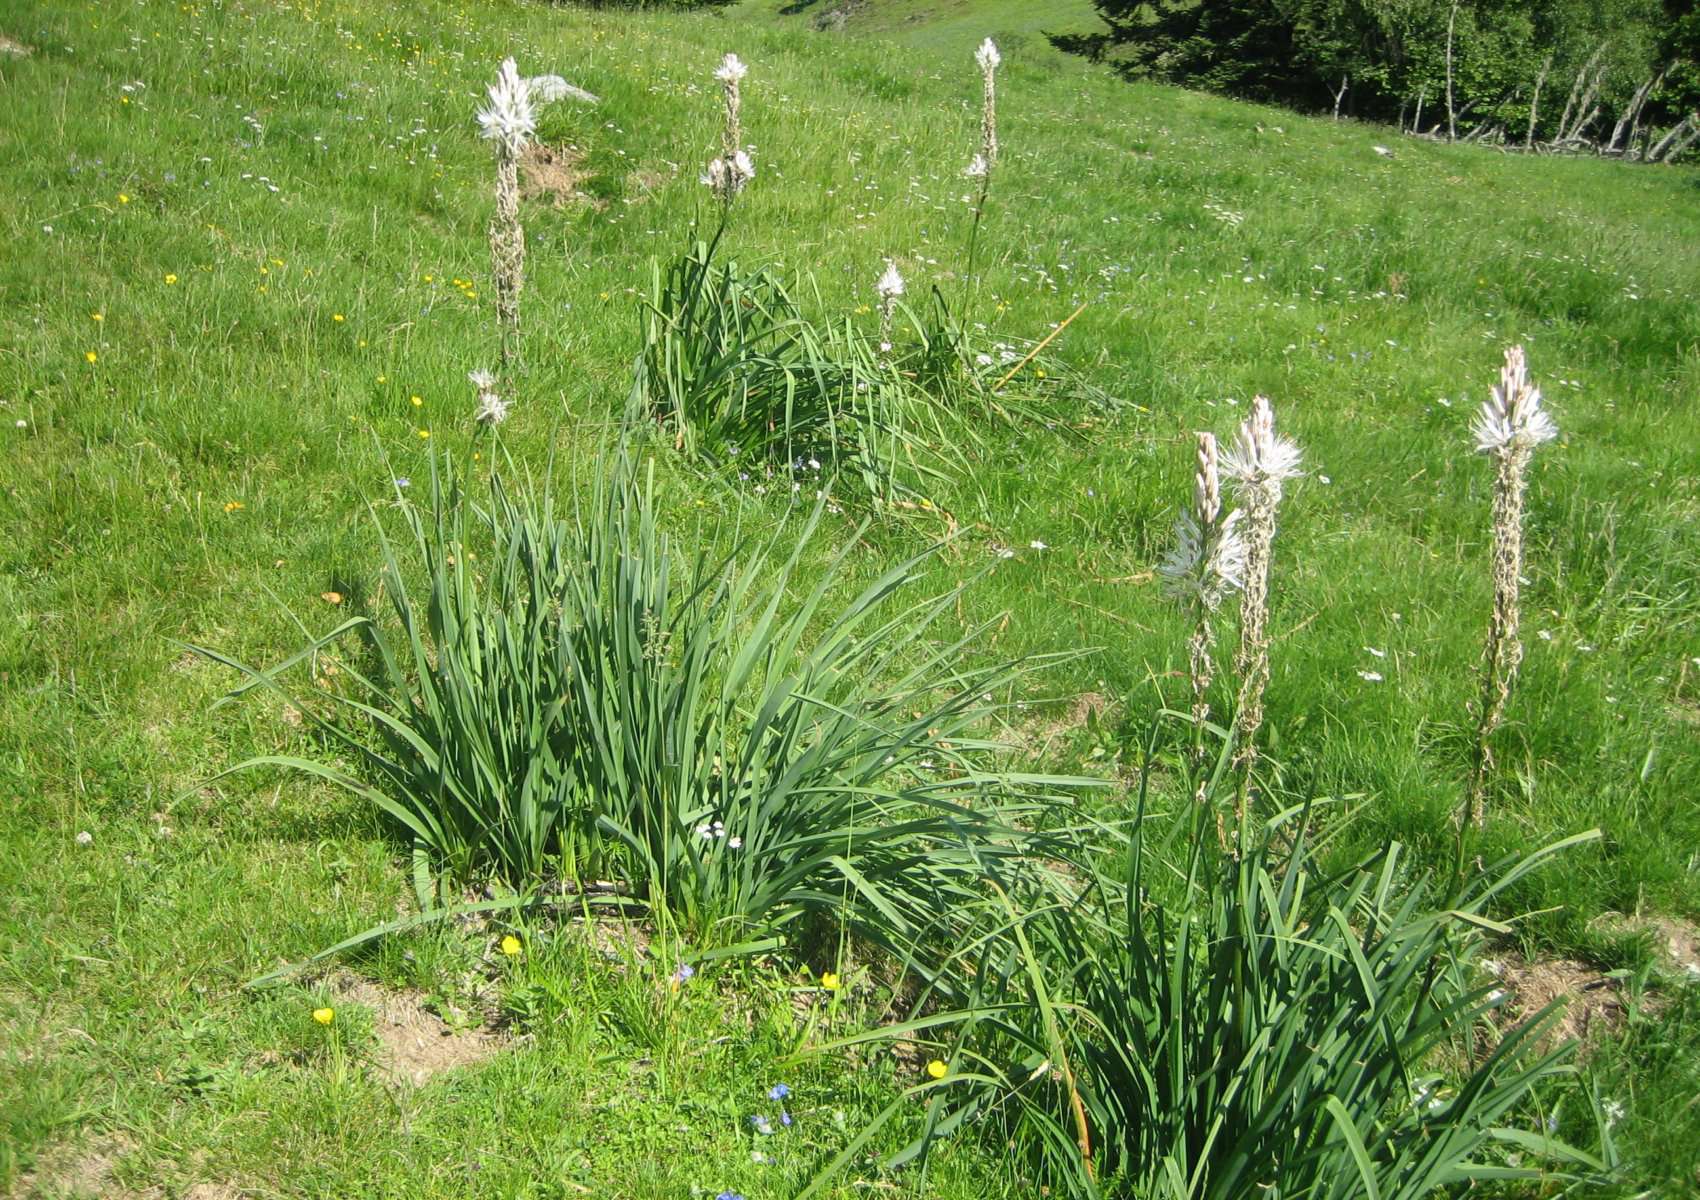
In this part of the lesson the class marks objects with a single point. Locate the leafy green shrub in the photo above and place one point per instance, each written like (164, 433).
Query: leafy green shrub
(1269, 1030)
(735, 372)
(563, 700)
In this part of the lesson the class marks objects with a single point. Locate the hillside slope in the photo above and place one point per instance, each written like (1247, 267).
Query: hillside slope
(246, 277)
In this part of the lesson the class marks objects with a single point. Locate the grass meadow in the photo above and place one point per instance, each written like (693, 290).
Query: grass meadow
(244, 278)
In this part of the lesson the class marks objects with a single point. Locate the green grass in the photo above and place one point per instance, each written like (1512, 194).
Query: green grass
(221, 449)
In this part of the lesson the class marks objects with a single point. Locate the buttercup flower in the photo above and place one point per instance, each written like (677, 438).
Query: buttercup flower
(829, 981)
(511, 945)
(324, 1016)
(937, 1068)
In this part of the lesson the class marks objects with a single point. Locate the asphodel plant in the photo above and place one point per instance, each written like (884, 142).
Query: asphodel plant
(1509, 426)
(1257, 465)
(1206, 562)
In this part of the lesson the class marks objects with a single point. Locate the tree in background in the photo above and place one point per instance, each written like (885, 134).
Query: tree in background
(1617, 75)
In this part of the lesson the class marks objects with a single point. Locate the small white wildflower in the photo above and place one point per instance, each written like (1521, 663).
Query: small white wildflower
(1370, 676)
(1375, 652)
(85, 838)
(1036, 544)
(977, 167)
(492, 409)
(987, 55)
(1613, 1111)
(1511, 418)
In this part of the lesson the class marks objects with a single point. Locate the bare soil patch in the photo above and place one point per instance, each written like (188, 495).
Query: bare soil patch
(1037, 738)
(414, 1043)
(14, 47)
(1591, 1004)
(77, 1169)
(555, 173)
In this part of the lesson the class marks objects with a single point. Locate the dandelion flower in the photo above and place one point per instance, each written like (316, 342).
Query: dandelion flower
(324, 1016)
(511, 945)
(937, 1068)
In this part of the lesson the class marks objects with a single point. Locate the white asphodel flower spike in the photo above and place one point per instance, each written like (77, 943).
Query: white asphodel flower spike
(977, 167)
(731, 69)
(890, 284)
(492, 409)
(1511, 418)
(987, 55)
(509, 117)
(1258, 455)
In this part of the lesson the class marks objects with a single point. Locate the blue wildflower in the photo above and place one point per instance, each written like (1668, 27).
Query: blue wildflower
(762, 1124)
(684, 972)
(785, 1118)
(778, 1091)
(730, 1196)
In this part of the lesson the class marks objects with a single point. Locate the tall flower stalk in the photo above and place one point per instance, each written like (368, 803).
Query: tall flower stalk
(1257, 465)
(729, 172)
(508, 121)
(1509, 426)
(1206, 562)
(888, 289)
(980, 168)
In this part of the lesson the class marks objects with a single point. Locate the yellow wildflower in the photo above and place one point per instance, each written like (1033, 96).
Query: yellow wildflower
(171, 279)
(123, 199)
(233, 505)
(936, 1069)
(415, 401)
(336, 317)
(510, 945)
(92, 356)
(424, 433)
(97, 316)
(829, 981)
(324, 1016)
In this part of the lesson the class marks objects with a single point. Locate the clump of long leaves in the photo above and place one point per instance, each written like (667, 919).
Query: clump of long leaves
(734, 371)
(563, 699)
(1266, 1029)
